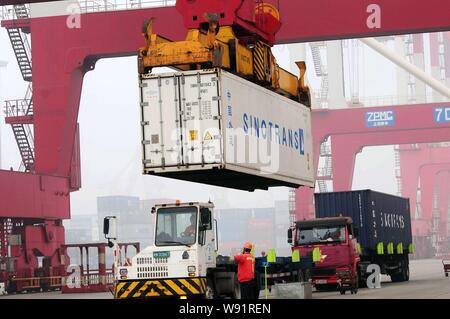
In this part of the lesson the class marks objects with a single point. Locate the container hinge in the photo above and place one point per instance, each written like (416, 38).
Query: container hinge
(146, 142)
(216, 98)
(218, 117)
(143, 123)
(146, 161)
(214, 79)
(143, 104)
(143, 85)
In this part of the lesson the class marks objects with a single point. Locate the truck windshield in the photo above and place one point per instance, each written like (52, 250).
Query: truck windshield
(332, 234)
(176, 226)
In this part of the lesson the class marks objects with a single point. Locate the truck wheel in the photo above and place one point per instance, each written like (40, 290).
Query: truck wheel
(396, 278)
(406, 272)
(356, 284)
(362, 282)
(403, 275)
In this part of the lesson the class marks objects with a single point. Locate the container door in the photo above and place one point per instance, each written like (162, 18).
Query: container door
(200, 109)
(161, 122)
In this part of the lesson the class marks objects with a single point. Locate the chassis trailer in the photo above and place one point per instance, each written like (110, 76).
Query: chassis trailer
(183, 260)
(352, 231)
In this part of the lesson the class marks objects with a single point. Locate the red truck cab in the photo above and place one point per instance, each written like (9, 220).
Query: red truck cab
(336, 251)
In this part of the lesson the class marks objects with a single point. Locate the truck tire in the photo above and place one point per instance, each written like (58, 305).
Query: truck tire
(362, 276)
(396, 278)
(355, 288)
(362, 281)
(406, 272)
(403, 275)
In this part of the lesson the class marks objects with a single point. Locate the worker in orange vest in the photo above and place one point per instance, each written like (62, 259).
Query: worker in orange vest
(246, 272)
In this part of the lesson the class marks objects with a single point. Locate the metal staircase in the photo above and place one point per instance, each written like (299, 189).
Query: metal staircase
(19, 47)
(315, 51)
(5, 231)
(25, 147)
(321, 71)
(324, 90)
(17, 111)
(21, 11)
(398, 172)
(292, 208)
(325, 171)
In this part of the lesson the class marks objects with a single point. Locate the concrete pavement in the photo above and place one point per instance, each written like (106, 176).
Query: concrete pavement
(427, 281)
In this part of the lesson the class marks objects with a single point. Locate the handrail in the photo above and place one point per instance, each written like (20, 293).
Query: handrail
(18, 107)
(89, 6)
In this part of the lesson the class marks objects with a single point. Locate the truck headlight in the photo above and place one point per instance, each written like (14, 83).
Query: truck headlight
(191, 268)
(123, 272)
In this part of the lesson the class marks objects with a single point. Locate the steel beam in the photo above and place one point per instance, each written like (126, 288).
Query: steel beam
(25, 195)
(319, 20)
(407, 66)
(408, 124)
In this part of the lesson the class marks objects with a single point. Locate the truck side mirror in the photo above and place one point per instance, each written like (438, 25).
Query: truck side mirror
(205, 218)
(105, 226)
(110, 227)
(289, 236)
(355, 232)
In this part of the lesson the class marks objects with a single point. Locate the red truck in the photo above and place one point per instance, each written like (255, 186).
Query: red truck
(352, 231)
(336, 253)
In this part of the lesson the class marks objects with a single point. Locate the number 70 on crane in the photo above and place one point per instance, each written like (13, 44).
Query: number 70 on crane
(442, 115)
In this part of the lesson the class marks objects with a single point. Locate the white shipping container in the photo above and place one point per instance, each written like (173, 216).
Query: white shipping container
(213, 127)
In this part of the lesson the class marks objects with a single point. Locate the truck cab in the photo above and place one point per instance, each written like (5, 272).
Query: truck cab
(333, 241)
(178, 262)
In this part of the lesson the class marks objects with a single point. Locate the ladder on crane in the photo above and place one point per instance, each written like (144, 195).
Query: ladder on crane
(321, 71)
(23, 132)
(325, 169)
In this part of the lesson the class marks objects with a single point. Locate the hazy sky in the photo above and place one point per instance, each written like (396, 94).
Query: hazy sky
(110, 136)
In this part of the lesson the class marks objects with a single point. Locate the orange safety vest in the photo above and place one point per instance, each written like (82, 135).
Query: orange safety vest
(246, 267)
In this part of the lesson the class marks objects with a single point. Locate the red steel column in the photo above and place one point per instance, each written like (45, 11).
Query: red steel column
(411, 159)
(444, 196)
(102, 264)
(304, 204)
(344, 151)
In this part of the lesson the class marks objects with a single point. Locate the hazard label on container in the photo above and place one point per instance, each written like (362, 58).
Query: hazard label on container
(193, 135)
(208, 137)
